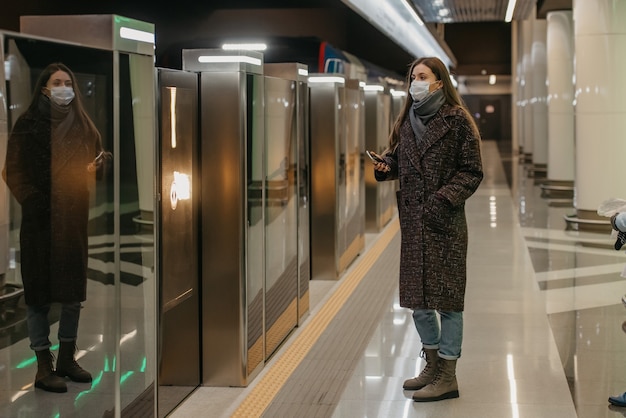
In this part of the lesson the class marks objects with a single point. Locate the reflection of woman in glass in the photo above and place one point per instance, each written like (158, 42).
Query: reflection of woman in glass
(53, 153)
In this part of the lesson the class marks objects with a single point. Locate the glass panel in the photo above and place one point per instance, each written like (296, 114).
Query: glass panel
(52, 173)
(302, 179)
(255, 145)
(342, 185)
(354, 140)
(385, 188)
(281, 234)
(136, 215)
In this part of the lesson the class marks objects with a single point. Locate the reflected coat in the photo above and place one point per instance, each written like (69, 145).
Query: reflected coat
(437, 175)
(51, 182)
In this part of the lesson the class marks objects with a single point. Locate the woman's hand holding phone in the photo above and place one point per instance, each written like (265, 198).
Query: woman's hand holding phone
(374, 157)
(378, 161)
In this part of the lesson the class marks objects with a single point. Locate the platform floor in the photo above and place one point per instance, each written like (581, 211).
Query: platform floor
(543, 318)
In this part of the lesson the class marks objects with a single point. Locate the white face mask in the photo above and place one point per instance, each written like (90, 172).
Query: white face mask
(420, 89)
(62, 95)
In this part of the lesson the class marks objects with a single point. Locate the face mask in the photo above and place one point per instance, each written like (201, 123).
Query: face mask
(62, 95)
(419, 89)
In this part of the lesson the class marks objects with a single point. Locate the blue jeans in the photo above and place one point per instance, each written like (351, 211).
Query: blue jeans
(448, 339)
(39, 328)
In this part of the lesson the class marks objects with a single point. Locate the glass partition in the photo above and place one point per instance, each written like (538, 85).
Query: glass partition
(281, 213)
(137, 288)
(116, 329)
(352, 189)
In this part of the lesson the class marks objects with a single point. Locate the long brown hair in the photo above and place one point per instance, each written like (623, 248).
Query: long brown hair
(82, 117)
(449, 92)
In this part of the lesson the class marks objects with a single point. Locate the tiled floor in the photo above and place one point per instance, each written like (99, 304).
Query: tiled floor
(542, 336)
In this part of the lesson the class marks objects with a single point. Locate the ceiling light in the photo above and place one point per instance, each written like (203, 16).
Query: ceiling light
(398, 93)
(326, 79)
(412, 12)
(509, 11)
(245, 47)
(136, 35)
(228, 58)
(406, 29)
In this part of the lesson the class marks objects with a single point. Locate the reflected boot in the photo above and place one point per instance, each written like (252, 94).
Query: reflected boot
(45, 378)
(427, 374)
(67, 366)
(443, 386)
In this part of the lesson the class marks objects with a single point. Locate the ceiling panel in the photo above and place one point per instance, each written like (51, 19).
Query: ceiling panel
(455, 11)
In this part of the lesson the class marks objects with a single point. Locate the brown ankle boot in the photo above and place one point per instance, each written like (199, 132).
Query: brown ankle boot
(45, 378)
(427, 374)
(443, 386)
(67, 366)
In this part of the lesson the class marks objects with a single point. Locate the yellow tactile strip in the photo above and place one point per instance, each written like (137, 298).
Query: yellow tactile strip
(271, 383)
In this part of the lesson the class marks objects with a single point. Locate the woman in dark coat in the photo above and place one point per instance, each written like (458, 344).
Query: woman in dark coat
(50, 168)
(434, 152)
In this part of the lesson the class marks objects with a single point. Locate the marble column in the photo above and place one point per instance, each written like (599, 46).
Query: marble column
(538, 102)
(526, 91)
(560, 73)
(600, 94)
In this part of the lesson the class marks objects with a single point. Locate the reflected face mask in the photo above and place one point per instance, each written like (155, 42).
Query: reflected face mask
(62, 95)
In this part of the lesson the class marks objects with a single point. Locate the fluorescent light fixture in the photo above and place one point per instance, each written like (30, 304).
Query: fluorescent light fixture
(400, 22)
(324, 79)
(373, 87)
(398, 93)
(509, 11)
(492, 79)
(173, 116)
(228, 58)
(245, 47)
(303, 72)
(136, 35)
(412, 12)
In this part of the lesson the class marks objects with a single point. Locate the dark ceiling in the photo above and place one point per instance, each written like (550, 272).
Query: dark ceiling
(477, 45)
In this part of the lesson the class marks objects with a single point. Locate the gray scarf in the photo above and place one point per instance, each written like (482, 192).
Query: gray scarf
(421, 112)
(61, 117)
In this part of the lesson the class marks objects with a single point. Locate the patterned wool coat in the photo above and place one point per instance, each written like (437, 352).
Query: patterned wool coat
(51, 182)
(436, 177)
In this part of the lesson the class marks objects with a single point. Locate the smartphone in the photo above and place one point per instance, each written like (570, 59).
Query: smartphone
(374, 158)
(98, 157)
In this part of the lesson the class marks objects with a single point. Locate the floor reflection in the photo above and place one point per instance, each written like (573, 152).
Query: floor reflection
(580, 275)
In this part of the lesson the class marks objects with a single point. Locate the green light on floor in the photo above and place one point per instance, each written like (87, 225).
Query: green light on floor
(95, 382)
(32, 360)
(109, 367)
(126, 376)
